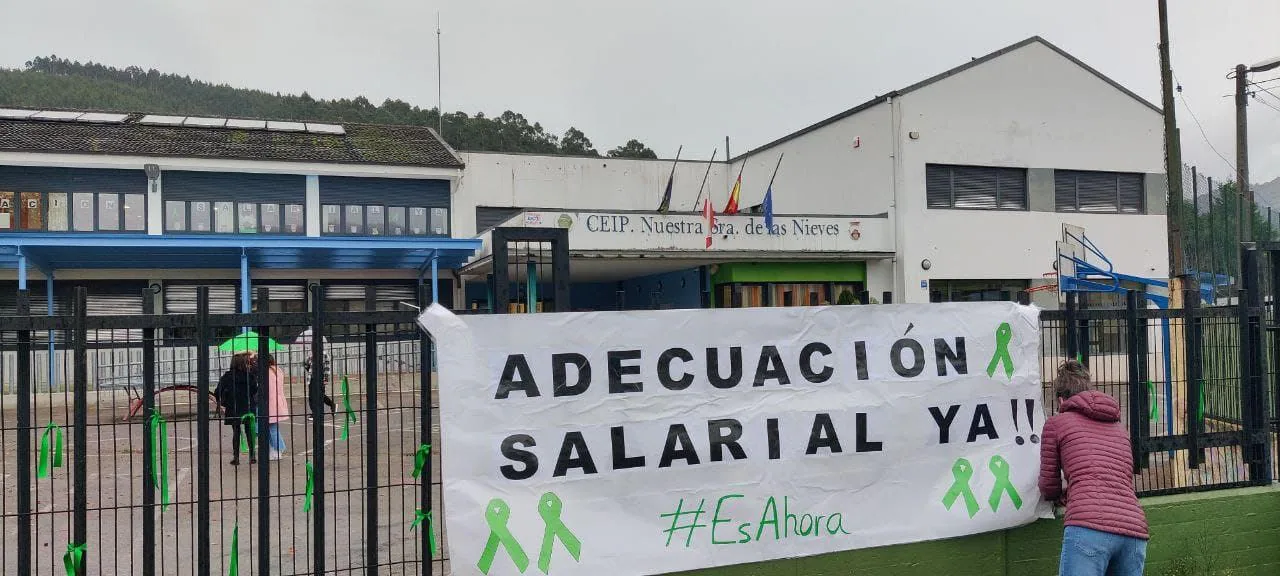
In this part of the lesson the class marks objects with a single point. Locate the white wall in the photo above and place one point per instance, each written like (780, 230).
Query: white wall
(604, 184)
(1030, 108)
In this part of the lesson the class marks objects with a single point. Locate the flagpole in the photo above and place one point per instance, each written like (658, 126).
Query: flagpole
(665, 204)
(775, 173)
(675, 162)
(704, 178)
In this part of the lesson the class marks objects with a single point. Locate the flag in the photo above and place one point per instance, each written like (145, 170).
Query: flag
(767, 207)
(710, 215)
(732, 206)
(666, 195)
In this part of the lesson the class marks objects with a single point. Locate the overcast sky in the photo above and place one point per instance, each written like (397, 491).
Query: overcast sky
(668, 72)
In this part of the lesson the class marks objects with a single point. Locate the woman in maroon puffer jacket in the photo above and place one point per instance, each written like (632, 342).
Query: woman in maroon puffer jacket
(1106, 530)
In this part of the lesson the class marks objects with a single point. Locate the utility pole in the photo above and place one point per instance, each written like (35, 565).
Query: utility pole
(1245, 211)
(1172, 154)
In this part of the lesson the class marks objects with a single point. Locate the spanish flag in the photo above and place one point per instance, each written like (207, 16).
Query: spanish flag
(732, 207)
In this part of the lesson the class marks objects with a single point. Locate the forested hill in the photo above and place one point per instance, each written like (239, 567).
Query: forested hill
(54, 82)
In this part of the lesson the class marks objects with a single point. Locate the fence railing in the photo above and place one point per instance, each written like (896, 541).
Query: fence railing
(336, 476)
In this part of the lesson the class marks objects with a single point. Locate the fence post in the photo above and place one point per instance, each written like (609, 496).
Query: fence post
(316, 400)
(263, 423)
(425, 363)
(1069, 318)
(80, 472)
(203, 470)
(1193, 332)
(371, 443)
(24, 438)
(1136, 388)
(149, 551)
(1254, 408)
(1144, 378)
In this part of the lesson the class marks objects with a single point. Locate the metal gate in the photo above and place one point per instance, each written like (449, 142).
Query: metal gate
(124, 462)
(530, 270)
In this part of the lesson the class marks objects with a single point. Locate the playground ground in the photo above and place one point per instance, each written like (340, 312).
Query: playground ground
(115, 482)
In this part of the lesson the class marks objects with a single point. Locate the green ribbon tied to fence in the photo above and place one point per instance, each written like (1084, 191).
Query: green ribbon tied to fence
(1151, 397)
(418, 517)
(51, 432)
(961, 472)
(496, 515)
(250, 424)
(549, 508)
(160, 456)
(1004, 333)
(1000, 469)
(73, 560)
(350, 416)
(311, 486)
(1200, 407)
(420, 459)
(233, 566)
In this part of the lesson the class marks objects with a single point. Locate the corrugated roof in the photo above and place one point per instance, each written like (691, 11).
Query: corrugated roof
(362, 143)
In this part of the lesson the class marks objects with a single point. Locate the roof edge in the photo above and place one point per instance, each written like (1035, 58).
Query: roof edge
(942, 76)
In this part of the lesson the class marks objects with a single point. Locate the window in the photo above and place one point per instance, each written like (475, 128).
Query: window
(975, 187)
(374, 220)
(175, 216)
(32, 207)
(57, 211)
(82, 214)
(247, 218)
(294, 220)
(395, 221)
(332, 219)
(354, 220)
(224, 217)
(270, 218)
(418, 221)
(440, 221)
(6, 211)
(108, 212)
(1077, 191)
(135, 213)
(200, 217)
(975, 290)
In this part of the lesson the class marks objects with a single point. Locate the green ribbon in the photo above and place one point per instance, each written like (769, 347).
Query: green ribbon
(496, 515)
(346, 406)
(962, 472)
(233, 568)
(160, 456)
(250, 424)
(1200, 408)
(42, 470)
(549, 508)
(420, 459)
(1003, 335)
(1151, 397)
(311, 479)
(418, 517)
(1000, 469)
(73, 560)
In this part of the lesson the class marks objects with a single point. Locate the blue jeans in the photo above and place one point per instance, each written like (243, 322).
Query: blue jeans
(275, 440)
(1087, 552)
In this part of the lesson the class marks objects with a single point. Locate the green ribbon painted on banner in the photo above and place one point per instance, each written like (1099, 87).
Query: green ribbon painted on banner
(250, 424)
(418, 517)
(1004, 334)
(73, 560)
(233, 567)
(496, 515)
(346, 407)
(160, 456)
(1000, 469)
(1151, 397)
(54, 431)
(311, 486)
(420, 458)
(962, 472)
(549, 508)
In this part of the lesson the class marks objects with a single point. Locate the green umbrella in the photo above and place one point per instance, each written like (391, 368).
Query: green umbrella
(247, 342)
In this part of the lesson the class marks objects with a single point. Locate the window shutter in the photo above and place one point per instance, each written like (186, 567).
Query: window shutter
(489, 217)
(1097, 191)
(1064, 191)
(181, 299)
(937, 182)
(1012, 189)
(1131, 193)
(975, 187)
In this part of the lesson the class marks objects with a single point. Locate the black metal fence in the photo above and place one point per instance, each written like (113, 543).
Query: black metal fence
(151, 480)
(1193, 382)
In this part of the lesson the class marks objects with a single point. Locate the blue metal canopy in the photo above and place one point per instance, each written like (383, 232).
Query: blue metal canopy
(50, 252)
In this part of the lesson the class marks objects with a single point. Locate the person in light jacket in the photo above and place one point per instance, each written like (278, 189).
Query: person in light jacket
(277, 407)
(1106, 530)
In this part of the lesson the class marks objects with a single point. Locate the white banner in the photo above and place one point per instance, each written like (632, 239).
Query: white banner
(657, 441)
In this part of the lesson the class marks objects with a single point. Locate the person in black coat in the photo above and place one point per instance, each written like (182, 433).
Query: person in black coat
(237, 393)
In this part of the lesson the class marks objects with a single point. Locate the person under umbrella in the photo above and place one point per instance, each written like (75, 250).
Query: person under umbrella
(236, 393)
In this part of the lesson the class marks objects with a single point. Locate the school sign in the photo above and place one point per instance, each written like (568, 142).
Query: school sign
(659, 441)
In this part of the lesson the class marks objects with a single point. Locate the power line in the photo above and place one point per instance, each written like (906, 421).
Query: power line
(1265, 103)
(1199, 125)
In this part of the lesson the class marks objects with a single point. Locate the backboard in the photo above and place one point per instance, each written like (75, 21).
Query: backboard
(1070, 251)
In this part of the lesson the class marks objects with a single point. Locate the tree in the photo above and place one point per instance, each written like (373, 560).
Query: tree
(633, 149)
(575, 143)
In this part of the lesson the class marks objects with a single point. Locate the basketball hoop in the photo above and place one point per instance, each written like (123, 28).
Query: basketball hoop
(1047, 287)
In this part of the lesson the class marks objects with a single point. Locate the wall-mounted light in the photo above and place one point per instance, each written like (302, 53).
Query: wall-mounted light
(153, 174)
(155, 288)
(913, 135)
(926, 264)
